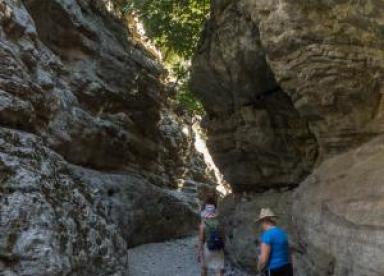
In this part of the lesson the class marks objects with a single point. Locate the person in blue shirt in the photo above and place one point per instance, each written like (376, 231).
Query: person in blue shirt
(275, 256)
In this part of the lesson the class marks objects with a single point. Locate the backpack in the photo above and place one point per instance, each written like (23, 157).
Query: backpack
(213, 235)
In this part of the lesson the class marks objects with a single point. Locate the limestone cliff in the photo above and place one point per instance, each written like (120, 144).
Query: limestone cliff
(287, 85)
(90, 152)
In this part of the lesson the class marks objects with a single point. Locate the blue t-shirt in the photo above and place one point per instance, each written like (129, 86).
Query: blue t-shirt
(277, 239)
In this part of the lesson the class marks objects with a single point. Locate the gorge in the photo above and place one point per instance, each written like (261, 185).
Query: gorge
(94, 158)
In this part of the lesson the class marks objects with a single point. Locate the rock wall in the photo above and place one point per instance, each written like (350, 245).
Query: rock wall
(50, 223)
(90, 151)
(239, 213)
(287, 86)
(343, 218)
(256, 136)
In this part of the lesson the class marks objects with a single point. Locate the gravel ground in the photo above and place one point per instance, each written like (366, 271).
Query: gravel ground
(173, 258)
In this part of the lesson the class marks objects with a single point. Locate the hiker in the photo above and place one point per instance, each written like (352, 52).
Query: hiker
(275, 257)
(211, 242)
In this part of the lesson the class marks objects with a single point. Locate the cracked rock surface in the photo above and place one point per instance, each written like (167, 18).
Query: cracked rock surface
(90, 151)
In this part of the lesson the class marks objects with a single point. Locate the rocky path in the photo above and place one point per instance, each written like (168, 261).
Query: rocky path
(173, 258)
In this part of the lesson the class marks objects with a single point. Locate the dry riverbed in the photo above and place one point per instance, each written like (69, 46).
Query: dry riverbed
(172, 258)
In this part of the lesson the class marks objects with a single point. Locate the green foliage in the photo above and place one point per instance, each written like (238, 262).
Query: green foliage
(187, 100)
(174, 26)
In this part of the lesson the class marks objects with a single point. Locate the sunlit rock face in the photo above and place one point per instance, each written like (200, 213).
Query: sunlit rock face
(289, 85)
(90, 152)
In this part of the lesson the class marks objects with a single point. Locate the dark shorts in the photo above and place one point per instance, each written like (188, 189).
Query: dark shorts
(286, 270)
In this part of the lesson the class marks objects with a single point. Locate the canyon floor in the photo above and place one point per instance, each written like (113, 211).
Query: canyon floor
(176, 258)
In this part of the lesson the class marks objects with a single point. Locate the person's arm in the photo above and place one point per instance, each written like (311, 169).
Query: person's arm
(265, 251)
(200, 246)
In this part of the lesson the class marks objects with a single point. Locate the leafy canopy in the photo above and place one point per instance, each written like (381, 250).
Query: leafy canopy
(174, 26)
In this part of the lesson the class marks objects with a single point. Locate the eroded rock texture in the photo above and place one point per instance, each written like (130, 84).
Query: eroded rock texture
(287, 85)
(50, 222)
(328, 57)
(343, 218)
(90, 153)
(256, 136)
(144, 212)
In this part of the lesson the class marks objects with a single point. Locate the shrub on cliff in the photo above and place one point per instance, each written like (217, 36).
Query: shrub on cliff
(174, 27)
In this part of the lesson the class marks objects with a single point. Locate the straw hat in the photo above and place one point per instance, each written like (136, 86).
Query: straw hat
(266, 213)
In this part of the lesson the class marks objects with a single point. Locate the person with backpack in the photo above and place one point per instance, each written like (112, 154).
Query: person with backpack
(275, 256)
(211, 241)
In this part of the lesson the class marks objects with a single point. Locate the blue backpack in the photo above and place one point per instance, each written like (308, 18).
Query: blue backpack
(213, 235)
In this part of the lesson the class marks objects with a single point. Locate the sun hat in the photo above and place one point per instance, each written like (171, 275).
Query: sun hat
(265, 213)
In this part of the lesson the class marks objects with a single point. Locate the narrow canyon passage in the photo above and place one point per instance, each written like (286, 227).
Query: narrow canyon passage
(103, 164)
